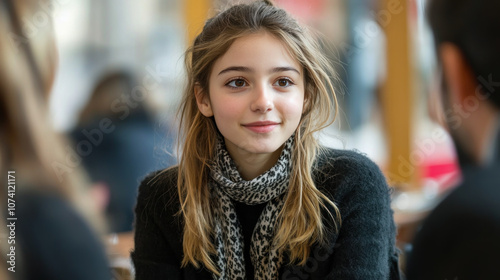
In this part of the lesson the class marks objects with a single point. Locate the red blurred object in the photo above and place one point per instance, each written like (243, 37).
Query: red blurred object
(304, 10)
(446, 173)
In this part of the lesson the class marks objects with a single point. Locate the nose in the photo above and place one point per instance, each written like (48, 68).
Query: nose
(263, 100)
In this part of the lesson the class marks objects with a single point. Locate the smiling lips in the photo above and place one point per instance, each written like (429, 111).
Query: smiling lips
(261, 127)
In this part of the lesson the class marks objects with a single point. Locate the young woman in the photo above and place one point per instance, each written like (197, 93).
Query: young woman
(254, 196)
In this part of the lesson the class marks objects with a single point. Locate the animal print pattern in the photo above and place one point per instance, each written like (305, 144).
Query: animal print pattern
(227, 185)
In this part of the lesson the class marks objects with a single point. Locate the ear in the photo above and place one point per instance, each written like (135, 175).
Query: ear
(203, 101)
(457, 73)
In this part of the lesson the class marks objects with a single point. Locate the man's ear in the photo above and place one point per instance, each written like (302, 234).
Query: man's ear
(203, 101)
(457, 72)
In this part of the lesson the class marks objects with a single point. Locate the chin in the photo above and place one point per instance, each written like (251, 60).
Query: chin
(259, 148)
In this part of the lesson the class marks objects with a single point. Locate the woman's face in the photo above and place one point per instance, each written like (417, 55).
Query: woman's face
(256, 95)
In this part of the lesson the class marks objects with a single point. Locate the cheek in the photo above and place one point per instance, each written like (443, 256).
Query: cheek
(226, 108)
(293, 107)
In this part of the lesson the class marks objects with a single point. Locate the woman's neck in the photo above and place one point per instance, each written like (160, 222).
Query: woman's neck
(251, 165)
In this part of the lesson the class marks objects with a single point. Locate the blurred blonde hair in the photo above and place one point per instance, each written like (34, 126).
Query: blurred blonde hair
(28, 144)
(300, 223)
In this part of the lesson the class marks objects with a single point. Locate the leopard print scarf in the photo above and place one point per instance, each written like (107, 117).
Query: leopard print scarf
(228, 185)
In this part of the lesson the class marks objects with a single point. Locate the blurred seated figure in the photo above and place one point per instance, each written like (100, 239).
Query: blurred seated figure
(460, 238)
(48, 229)
(116, 137)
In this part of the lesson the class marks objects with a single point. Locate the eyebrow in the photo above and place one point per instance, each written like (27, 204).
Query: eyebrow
(247, 69)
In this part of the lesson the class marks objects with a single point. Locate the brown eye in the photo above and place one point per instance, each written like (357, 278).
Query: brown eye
(283, 83)
(237, 83)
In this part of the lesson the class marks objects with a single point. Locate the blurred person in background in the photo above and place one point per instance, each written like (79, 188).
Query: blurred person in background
(460, 239)
(54, 234)
(123, 138)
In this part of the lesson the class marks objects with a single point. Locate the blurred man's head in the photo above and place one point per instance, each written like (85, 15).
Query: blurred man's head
(467, 37)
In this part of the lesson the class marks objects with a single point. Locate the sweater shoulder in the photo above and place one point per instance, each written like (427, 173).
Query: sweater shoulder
(328, 156)
(163, 180)
(345, 171)
(158, 191)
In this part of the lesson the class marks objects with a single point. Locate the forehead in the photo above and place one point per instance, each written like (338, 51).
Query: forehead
(259, 51)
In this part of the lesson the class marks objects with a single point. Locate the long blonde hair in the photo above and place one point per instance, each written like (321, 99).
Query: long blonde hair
(28, 144)
(300, 223)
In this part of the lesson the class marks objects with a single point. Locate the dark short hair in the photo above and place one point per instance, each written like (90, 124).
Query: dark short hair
(474, 27)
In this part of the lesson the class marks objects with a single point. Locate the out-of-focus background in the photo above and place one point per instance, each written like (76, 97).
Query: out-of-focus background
(122, 60)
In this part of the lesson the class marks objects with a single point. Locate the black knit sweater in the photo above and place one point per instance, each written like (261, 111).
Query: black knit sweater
(363, 248)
